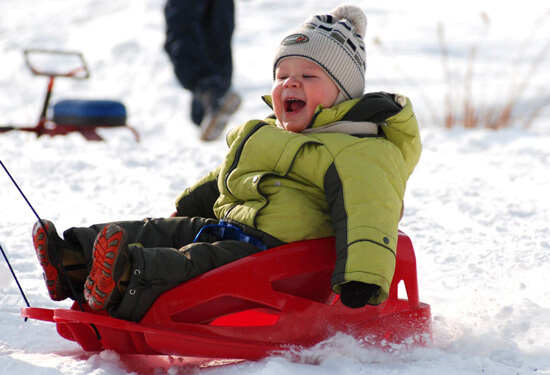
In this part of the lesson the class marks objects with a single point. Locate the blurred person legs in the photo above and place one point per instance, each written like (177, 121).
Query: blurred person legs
(198, 42)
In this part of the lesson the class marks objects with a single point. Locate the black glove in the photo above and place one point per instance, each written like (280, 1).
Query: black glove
(355, 294)
(374, 107)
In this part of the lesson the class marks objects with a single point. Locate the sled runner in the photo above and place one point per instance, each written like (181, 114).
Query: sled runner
(83, 116)
(254, 307)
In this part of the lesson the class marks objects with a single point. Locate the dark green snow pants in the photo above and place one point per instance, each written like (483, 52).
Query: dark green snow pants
(164, 255)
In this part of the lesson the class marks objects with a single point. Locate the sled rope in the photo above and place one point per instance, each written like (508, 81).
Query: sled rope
(15, 277)
(73, 291)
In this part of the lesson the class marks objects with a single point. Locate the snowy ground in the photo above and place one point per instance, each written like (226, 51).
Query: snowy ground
(477, 207)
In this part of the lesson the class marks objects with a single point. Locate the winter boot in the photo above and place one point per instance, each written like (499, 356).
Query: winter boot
(217, 113)
(63, 262)
(197, 111)
(110, 274)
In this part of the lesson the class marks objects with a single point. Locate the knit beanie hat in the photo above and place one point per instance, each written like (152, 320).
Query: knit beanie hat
(333, 41)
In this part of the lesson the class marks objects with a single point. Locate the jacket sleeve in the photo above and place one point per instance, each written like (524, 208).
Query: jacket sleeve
(394, 112)
(364, 188)
(199, 199)
(402, 130)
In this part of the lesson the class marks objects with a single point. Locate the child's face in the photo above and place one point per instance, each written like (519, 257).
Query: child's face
(300, 86)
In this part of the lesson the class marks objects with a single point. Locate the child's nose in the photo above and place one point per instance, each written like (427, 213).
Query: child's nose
(292, 82)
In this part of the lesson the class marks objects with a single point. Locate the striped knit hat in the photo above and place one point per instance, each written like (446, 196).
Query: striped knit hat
(333, 41)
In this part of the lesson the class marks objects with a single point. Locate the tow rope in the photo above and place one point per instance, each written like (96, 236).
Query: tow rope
(63, 271)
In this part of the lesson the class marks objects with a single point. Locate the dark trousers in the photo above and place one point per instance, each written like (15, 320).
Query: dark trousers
(164, 255)
(198, 42)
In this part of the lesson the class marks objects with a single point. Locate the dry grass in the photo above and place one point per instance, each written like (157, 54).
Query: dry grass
(470, 112)
(464, 105)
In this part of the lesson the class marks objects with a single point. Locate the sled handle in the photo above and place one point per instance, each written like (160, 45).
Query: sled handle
(80, 72)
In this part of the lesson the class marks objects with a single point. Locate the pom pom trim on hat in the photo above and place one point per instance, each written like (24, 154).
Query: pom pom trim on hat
(354, 14)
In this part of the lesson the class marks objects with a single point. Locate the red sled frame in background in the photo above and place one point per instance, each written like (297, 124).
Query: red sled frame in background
(70, 115)
(255, 307)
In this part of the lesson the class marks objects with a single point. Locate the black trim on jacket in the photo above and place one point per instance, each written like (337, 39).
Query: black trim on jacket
(373, 107)
(239, 151)
(335, 198)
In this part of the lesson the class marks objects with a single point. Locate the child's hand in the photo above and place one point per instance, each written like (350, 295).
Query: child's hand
(355, 294)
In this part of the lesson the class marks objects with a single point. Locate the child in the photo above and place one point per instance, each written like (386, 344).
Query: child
(331, 162)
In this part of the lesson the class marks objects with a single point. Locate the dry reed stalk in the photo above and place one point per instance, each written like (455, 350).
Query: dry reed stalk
(407, 77)
(517, 90)
(475, 115)
(449, 118)
(471, 117)
(495, 116)
(533, 113)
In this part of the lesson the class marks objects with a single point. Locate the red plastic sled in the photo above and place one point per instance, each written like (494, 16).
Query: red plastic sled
(254, 307)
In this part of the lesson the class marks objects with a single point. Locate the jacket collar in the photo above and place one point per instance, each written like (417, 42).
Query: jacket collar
(327, 120)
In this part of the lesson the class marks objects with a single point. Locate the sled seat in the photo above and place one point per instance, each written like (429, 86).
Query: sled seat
(85, 117)
(254, 307)
(89, 113)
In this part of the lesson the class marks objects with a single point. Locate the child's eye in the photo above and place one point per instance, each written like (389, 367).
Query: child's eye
(308, 76)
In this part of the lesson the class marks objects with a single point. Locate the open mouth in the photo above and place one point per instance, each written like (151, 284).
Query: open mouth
(294, 105)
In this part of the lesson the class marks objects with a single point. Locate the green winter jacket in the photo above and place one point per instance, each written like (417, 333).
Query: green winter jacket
(341, 177)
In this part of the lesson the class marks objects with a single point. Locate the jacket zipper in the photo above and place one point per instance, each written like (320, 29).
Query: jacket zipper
(239, 152)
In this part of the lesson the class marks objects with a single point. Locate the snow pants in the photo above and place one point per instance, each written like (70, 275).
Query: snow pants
(163, 256)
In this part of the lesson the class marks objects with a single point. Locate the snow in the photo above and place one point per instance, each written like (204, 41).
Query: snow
(477, 206)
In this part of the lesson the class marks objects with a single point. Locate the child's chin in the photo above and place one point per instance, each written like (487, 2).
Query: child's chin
(294, 127)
